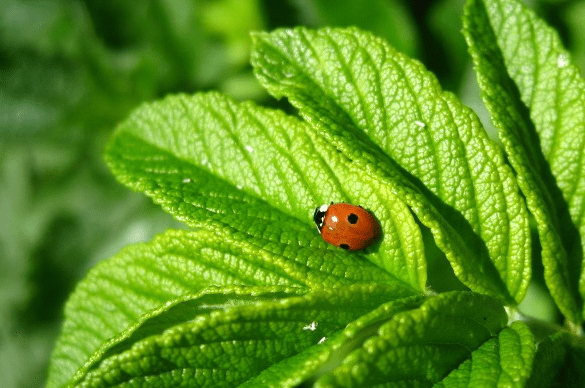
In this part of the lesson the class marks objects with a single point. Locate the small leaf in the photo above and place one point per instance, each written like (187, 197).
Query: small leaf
(210, 161)
(387, 113)
(519, 60)
(233, 335)
(504, 361)
(117, 294)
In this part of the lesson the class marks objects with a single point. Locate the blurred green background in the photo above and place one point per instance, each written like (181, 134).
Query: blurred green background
(70, 70)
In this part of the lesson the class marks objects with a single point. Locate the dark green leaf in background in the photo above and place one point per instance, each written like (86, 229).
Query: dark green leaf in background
(559, 362)
(387, 19)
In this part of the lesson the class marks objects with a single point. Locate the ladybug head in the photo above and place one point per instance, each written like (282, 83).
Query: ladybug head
(319, 215)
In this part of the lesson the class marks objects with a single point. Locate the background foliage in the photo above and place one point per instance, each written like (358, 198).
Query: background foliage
(71, 70)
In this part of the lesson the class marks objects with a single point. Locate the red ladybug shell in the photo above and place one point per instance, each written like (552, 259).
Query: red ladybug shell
(346, 226)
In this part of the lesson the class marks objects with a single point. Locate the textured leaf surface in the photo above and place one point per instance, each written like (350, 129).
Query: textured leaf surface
(385, 111)
(544, 142)
(210, 161)
(315, 361)
(230, 335)
(410, 342)
(420, 346)
(118, 294)
(503, 361)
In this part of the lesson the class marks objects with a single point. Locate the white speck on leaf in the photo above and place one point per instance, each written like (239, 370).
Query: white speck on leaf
(562, 61)
(311, 326)
(420, 124)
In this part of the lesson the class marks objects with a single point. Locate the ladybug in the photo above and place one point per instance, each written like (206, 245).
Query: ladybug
(346, 226)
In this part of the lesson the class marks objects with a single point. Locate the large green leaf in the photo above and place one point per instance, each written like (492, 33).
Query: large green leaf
(225, 336)
(520, 63)
(234, 335)
(120, 294)
(210, 161)
(385, 112)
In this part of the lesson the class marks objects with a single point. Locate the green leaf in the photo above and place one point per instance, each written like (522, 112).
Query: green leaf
(404, 342)
(503, 361)
(536, 97)
(210, 161)
(408, 342)
(226, 336)
(420, 346)
(559, 362)
(387, 113)
(315, 361)
(549, 359)
(573, 15)
(118, 294)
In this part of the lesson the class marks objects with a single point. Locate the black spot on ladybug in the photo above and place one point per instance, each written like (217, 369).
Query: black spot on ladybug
(352, 218)
(343, 246)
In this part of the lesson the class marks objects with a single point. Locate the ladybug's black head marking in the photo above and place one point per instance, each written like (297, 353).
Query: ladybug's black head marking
(343, 246)
(319, 215)
(352, 218)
